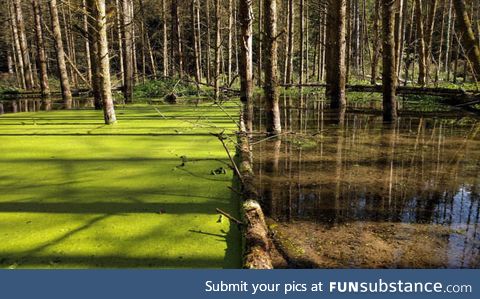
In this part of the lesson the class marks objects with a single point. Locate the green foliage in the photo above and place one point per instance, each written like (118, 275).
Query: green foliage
(160, 88)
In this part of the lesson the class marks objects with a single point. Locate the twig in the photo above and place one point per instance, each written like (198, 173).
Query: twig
(222, 140)
(229, 216)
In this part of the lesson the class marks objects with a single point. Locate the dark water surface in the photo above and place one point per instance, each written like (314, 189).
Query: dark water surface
(35, 104)
(346, 190)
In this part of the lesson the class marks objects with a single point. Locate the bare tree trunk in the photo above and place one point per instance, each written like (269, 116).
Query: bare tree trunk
(471, 44)
(104, 63)
(195, 43)
(398, 32)
(260, 46)
(246, 53)
(199, 38)
(376, 42)
(127, 37)
(291, 18)
(229, 46)
(119, 24)
(389, 79)
(165, 40)
(27, 66)
(217, 49)
(176, 38)
(209, 44)
(94, 62)
(421, 44)
(41, 56)
(302, 41)
(87, 42)
(17, 49)
(271, 60)
(335, 53)
(429, 36)
(62, 67)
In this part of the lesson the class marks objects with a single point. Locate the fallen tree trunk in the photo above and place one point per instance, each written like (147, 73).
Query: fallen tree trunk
(257, 244)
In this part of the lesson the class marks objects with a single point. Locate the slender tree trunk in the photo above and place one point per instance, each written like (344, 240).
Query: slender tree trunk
(271, 81)
(471, 44)
(230, 42)
(196, 51)
(119, 24)
(217, 49)
(17, 49)
(94, 55)
(41, 56)
(335, 53)
(421, 44)
(127, 37)
(209, 43)
(176, 38)
(199, 38)
(27, 66)
(429, 37)
(165, 40)
(260, 45)
(398, 32)
(104, 63)
(291, 18)
(87, 42)
(246, 51)
(62, 67)
(302, 41)
(389, 79)
(376, 42)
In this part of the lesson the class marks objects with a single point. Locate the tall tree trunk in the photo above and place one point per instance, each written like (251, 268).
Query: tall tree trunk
(271, 60)
(196, 50)
(302, 41)
(376, 42)
(87, 42)
(119, 24)
(230, 43)
(176, 38)
(104, 63)
(471, 44)
(41, 56)
(209, 43)
(421, 44)
(165, 40)
(291, 18)
(127, 37)
(389, 79)
(17, 49)
(62, 67)
(246, 51)
(199, 37)
(428, 37)
(217, 49)
(260, 39)
(94, 55)
(27, 66)
(335, 53)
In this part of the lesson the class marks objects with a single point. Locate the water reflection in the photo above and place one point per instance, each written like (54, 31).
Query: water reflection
(34, 105)
(352, 192)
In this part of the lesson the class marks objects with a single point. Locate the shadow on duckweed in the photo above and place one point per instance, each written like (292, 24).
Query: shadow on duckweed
(347, 190)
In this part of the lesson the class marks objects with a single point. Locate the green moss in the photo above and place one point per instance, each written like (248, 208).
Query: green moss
(79, 194)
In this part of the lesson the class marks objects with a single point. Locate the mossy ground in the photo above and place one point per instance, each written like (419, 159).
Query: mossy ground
(75, 193)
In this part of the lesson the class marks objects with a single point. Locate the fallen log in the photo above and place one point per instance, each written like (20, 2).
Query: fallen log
(257, 244)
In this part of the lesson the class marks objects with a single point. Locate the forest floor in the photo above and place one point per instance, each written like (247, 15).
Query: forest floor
(78, 194)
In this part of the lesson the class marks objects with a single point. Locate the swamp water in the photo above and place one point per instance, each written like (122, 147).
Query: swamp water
(343, 190)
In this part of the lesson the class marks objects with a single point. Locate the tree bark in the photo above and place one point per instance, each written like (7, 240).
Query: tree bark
(246, 51)
(127, 37)
(217, 49)
(421, 44)
(389, 79)
(270, 68)
(104, 63)
(62, 67)
(17, 49)
(291, 19)
(41, 56)
(94, 62)
(376, 42)
(27, 66)
(335, 53)
(165, 40)
(471, 44)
